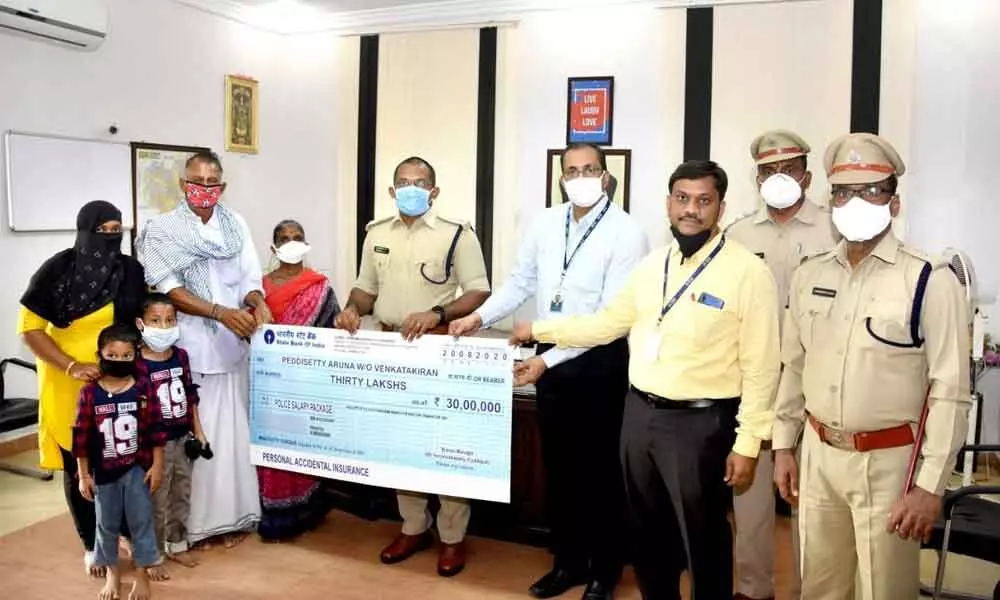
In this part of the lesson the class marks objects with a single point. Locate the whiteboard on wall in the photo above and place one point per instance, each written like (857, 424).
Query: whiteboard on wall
(49, 178)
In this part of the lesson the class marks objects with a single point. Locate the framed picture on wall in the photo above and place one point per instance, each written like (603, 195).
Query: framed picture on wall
(156, 173)
(590, 110)
(242, 122)
(619, 168)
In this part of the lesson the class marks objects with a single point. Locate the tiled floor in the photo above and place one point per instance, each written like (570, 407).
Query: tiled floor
(24, 500)
(40, 558)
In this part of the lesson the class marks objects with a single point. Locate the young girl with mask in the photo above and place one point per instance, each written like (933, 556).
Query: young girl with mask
(292, 503)
(175, 396)
(118, 445)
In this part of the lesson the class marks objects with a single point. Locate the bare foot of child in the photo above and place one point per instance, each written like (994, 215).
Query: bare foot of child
(90, 568)
(140, 587)
(233, 539)
(185, 558)
(110, 589)
(157, 573)
(124, 548)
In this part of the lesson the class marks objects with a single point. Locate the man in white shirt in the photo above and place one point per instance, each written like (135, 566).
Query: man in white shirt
(576, 257)
(201, 255)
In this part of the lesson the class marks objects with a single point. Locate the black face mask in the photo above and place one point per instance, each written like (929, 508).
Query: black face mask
(106, 243)
(118, 368)
(689, 244)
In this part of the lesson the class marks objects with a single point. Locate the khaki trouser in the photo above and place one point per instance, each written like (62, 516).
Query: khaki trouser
(173, 499)
(753, 511)
(844, 503)
(452, 519)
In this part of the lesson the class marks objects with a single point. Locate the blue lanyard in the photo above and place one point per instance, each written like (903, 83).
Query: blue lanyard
(568, 258)
(677, 296)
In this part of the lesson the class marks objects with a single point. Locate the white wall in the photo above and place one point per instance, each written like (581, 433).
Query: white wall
(160, 89)
(427, 106)
(954, 150)
(778, 66)
(644, 50)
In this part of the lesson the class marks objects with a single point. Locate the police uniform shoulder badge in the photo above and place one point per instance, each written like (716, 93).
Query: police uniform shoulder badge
(739, 219)
(377, 222)
(817, 254)
(458, 222)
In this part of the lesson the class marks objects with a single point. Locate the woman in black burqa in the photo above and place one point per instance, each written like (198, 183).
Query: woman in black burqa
(70, 299)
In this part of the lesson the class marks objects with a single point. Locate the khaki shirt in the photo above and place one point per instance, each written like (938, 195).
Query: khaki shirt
(784, 246)
(835, 369)
(720, 340)
(391, 263)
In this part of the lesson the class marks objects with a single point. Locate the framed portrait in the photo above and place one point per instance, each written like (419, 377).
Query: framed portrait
(590, 110)
(156, 173)
(619, 168)
(242, 124)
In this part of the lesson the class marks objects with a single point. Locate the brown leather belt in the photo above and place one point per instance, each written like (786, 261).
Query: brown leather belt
(864, 441)
(439, 330)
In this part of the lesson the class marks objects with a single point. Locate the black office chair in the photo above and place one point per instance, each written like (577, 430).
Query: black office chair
(16, 413)
(970, 526)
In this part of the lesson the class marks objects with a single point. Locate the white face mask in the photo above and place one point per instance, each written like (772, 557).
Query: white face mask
(292, 253)
(780, 191)
(584, 191)
(159, 340)
(860, 221)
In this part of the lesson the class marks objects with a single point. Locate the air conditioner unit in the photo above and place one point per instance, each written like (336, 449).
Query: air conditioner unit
(80, 24)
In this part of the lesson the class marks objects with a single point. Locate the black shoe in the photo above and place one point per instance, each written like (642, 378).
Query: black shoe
(555, 583)
(597, 590)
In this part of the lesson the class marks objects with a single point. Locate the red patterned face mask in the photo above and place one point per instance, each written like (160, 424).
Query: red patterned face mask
(202, 196)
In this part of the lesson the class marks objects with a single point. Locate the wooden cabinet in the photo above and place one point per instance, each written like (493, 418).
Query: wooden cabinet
(523, 520)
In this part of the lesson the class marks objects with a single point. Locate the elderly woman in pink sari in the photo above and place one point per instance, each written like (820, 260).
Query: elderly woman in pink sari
(293, 503)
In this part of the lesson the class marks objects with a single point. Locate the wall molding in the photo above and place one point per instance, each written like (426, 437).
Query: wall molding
(439, 14)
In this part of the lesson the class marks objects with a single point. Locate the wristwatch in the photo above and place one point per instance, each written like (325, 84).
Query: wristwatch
(441, 314)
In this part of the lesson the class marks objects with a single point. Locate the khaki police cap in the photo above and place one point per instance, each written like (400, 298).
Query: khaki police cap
(861, 158)
(778, 144)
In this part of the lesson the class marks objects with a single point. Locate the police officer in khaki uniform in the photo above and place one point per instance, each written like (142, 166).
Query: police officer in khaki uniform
(785, 229)
(411, 268)
(872, 329)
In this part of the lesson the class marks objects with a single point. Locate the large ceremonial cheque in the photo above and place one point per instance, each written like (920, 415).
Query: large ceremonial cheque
(432, 415)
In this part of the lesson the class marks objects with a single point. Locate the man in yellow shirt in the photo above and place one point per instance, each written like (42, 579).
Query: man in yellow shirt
(702, 320)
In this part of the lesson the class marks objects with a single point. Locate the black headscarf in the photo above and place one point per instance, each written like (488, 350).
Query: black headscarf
(83, 279)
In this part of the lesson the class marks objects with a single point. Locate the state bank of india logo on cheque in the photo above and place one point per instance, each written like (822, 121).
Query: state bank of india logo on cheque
(268, 336)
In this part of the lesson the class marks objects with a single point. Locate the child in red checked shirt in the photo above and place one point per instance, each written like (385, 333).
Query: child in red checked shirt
(118, 444)
(176, 398)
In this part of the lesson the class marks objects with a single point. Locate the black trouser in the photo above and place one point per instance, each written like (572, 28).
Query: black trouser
(84, 515)
(580, 406)
(675, 461)
(83, 511)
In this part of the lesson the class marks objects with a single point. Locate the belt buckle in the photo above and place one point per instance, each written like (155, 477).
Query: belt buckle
(838, 439)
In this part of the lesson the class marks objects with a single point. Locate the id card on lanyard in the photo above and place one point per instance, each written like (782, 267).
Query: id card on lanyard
(556, 305)
(654, 341)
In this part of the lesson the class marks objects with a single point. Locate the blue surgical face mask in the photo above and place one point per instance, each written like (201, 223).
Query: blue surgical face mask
(412, 201)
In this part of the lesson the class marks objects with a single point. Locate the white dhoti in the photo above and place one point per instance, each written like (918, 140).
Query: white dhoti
(224, 493)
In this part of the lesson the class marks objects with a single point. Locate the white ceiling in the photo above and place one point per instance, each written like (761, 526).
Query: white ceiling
(354, 17)
(341, 5)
